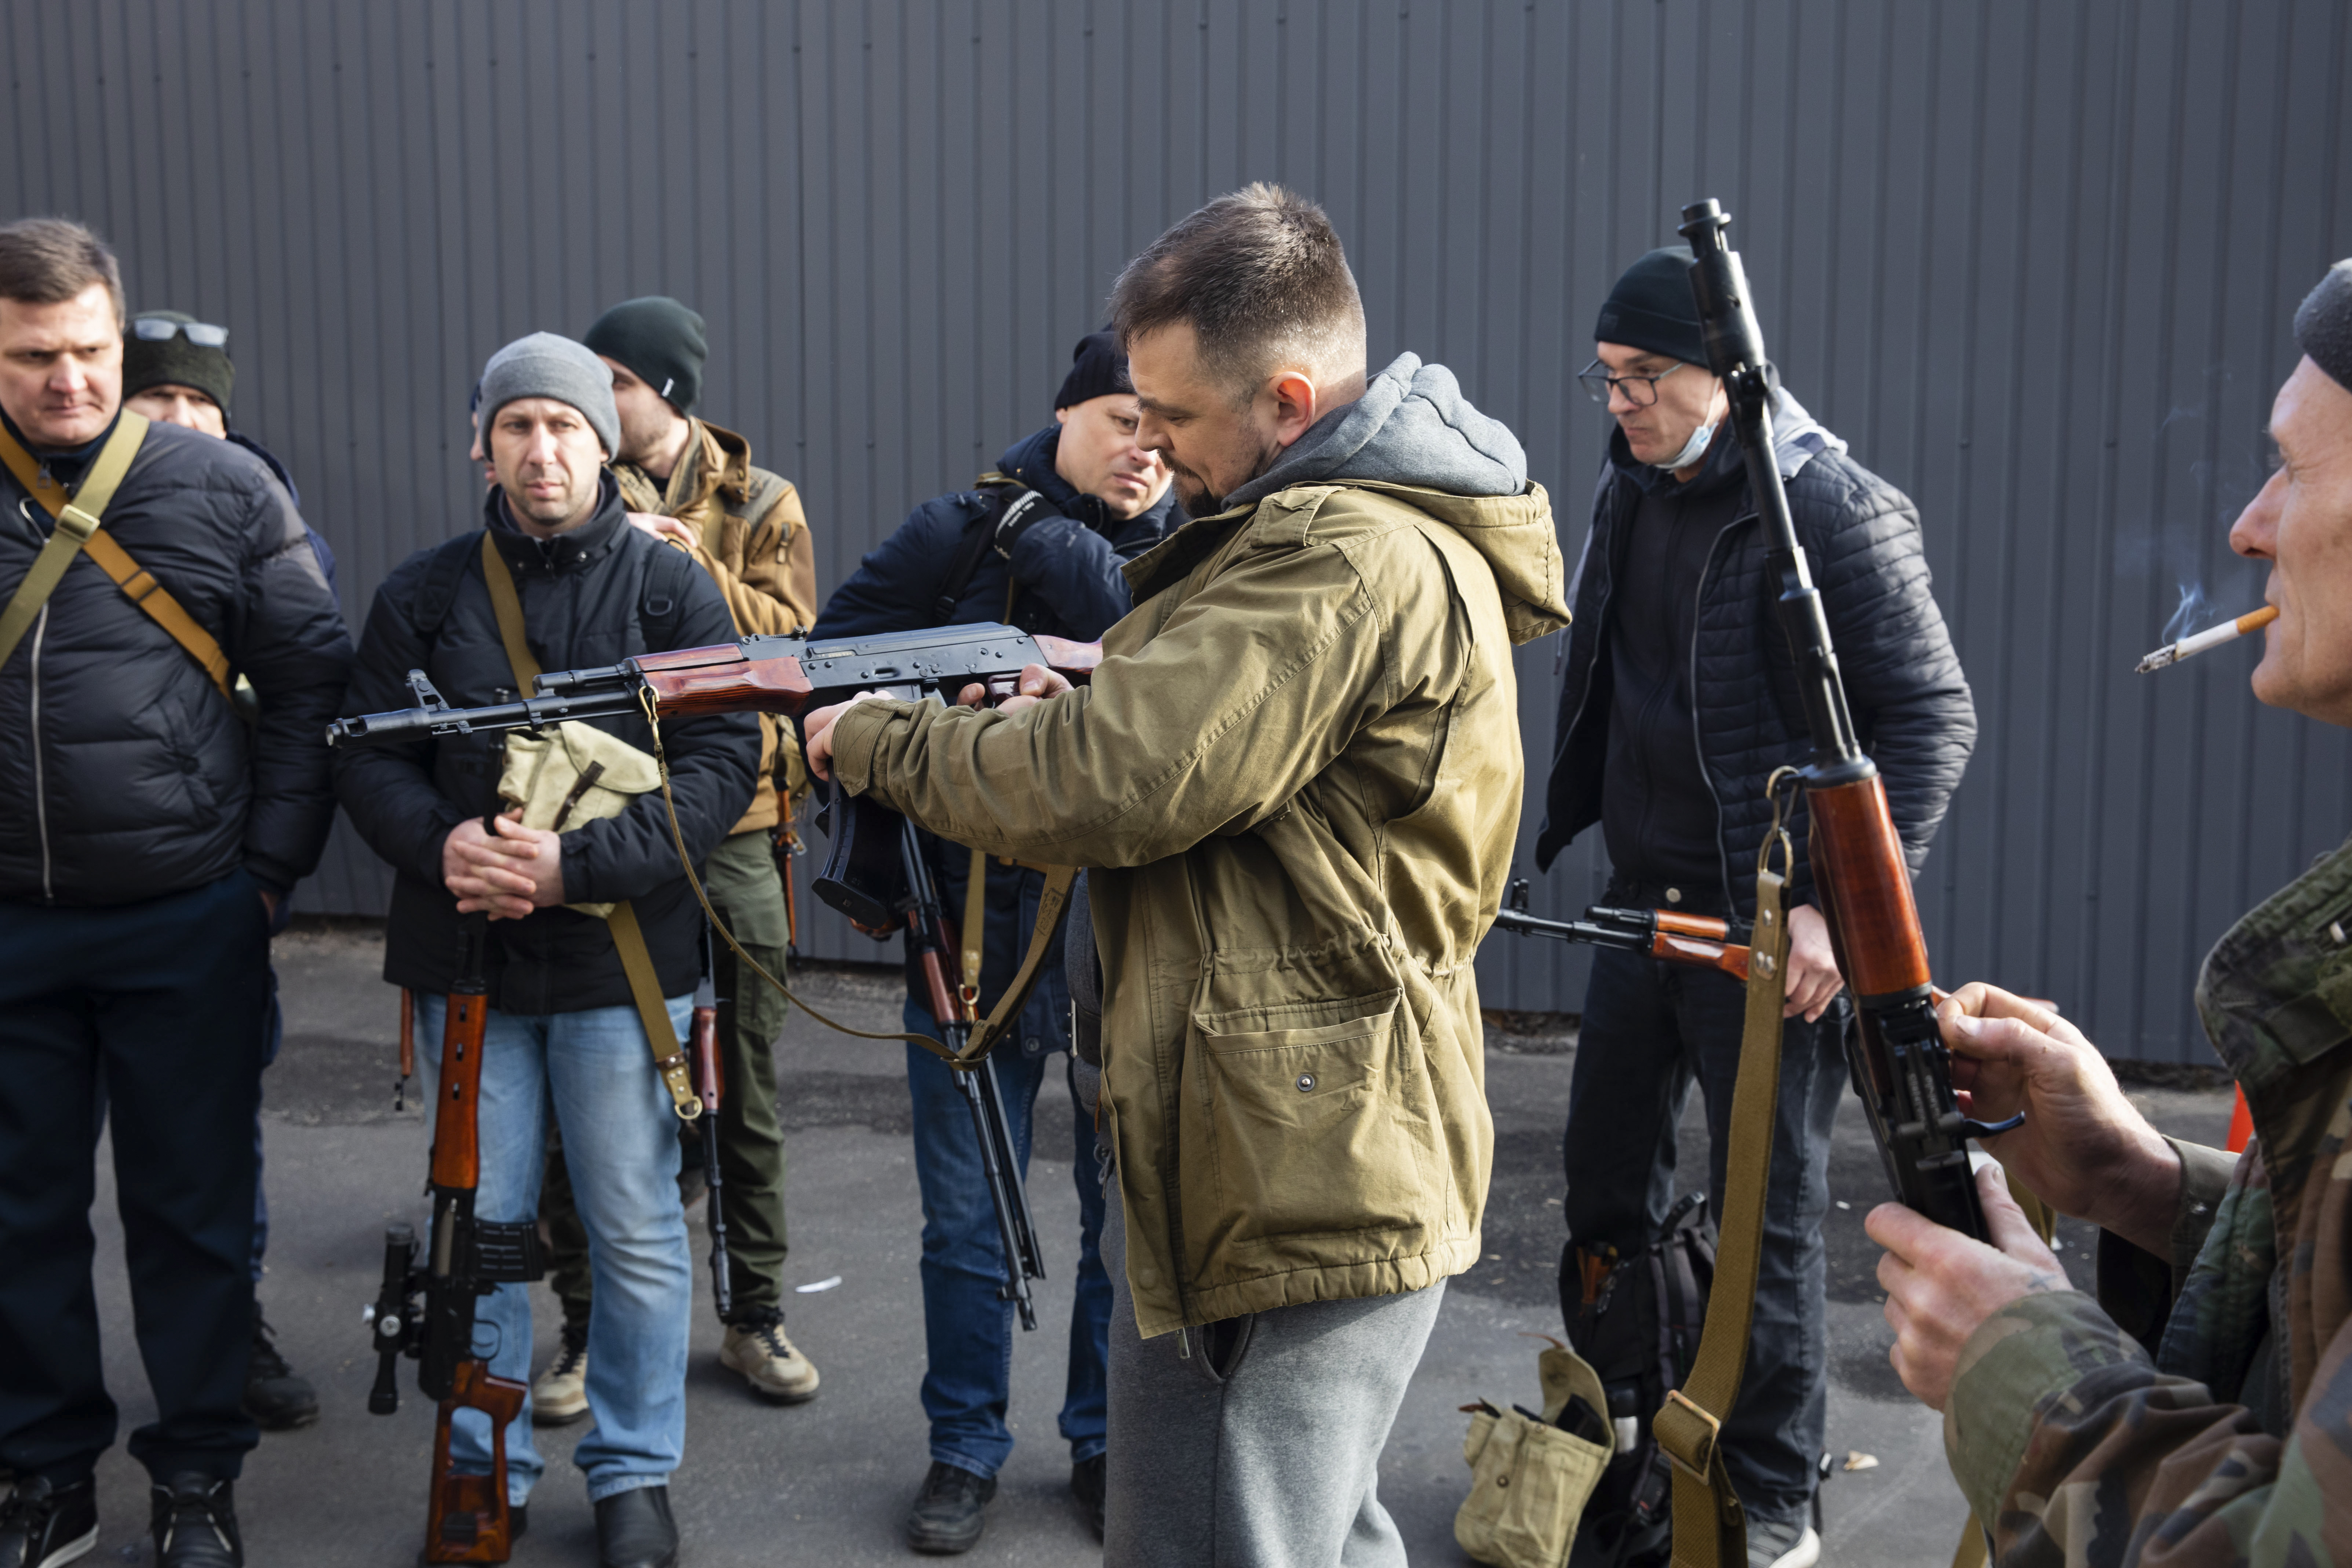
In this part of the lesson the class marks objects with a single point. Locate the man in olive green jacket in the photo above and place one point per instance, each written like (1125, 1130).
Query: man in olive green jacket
(1297, 777)
(686, 480)
(2195, 1412)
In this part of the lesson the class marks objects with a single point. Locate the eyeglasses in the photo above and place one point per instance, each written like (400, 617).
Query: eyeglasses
(155, 330)
(1641, 391)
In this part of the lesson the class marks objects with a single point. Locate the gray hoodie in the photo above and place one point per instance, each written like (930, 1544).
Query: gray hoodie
(1412, 426)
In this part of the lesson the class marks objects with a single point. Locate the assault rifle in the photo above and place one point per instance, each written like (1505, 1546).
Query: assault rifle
(1896, 1053)
(874, 872)
(426, 1311)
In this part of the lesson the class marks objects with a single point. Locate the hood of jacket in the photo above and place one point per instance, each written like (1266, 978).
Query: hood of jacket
(1412, 427)
(1412, 435)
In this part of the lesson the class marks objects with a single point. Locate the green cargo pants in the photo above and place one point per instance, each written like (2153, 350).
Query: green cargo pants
(749, 894)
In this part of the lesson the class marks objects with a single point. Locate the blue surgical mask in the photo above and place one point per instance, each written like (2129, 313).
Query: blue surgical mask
(1693, 449)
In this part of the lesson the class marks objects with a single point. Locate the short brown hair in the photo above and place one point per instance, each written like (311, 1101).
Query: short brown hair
(1255, 273)
(49, 261)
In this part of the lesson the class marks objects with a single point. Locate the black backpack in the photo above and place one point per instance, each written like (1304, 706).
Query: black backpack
(1637, 1321)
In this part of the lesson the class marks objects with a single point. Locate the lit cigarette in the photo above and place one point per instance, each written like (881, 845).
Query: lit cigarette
(2212, 637)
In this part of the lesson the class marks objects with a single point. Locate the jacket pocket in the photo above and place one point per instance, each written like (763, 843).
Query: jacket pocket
(1302, 1127)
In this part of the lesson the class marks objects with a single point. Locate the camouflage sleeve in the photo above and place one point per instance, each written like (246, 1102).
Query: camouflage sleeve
(2062, 1432)
(2138, 1288)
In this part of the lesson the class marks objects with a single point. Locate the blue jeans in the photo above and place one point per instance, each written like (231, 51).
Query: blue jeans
(620, 1136)
(1650, 1029)
(967, 1331)
(274, 1037)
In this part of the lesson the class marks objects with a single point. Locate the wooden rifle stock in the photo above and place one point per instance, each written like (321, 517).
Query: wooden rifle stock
(466, 1517)
(711, 1088)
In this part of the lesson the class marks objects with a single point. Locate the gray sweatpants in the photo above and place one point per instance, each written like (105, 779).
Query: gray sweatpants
(1261, 1449)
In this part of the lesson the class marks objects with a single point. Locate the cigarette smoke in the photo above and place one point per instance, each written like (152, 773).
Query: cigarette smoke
(2194, 613)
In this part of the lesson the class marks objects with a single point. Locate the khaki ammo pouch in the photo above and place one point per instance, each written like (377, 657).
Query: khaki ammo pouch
(1530, 1479)
(578, 776)
(78, 519)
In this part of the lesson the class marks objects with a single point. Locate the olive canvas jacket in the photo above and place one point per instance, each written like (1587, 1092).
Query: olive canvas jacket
(1297, 775)
(2199, 1413)
(755, 545)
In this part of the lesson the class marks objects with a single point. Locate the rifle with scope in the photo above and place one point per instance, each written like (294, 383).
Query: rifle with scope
(426, 1310)
(875, 872)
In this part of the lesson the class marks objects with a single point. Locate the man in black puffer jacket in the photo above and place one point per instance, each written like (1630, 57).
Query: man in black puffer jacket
(1679, 701)
(564, 1029)
(1039, 544)
(150, 836)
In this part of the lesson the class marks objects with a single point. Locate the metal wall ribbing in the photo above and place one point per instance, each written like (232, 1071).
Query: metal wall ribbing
(2035, 258)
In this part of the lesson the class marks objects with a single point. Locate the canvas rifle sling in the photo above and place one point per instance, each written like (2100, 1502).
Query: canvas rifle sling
(629, 937)
(78, 519)
(1710, 1527)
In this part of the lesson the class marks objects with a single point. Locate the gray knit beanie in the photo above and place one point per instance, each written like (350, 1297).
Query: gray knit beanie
(544, 365)
(2323, 326)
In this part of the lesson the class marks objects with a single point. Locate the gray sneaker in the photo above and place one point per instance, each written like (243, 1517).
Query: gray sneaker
(559, 1396)
(1782, 1543)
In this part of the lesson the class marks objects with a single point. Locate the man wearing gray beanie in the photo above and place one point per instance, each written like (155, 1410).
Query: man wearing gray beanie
(566, 1028)
(2199, 1397)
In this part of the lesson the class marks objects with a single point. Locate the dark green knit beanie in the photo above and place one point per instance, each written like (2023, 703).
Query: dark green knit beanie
(174, 361)
(660, 341)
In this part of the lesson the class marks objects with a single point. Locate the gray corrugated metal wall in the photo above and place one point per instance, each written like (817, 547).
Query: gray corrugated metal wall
(2035, 258)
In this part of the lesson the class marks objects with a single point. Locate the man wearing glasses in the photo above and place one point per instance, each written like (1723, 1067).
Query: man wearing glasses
(1679, 701)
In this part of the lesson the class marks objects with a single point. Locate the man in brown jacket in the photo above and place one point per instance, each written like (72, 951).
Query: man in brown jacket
(1297, 780)
(690, 482)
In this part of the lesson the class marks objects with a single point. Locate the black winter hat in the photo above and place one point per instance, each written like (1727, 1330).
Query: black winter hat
(175, 361)
(660, 341)
(1652, 308)
(2323, 325)
(1097, 369)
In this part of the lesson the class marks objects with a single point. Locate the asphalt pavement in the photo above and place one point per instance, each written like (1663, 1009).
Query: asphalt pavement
(828, 1481)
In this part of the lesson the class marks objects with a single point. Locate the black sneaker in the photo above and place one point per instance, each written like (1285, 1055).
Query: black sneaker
(195, 1523)
(947, 1516)
(634, 1530)
(1088, 1484)
(42, 1526)
(276, 1399)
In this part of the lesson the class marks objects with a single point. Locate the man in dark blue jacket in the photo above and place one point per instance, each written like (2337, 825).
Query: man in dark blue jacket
(1037, 543)
(1679, 699)
(153, 838)
(567, 1031)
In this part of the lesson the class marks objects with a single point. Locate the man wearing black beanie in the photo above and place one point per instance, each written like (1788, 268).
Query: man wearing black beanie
(692, 483)
(176, 370)
(1678, 701)
(1038, 541)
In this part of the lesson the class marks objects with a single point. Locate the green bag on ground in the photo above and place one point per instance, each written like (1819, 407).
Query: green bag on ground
(1530, 1480)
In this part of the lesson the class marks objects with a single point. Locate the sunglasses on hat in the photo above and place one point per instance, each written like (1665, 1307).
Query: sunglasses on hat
(204, 334)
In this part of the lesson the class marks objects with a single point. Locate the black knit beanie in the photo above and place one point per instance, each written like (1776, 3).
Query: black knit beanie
(2323, 325)
(1652, 308)
(175, 361)
(1097, 369)
(660, 341)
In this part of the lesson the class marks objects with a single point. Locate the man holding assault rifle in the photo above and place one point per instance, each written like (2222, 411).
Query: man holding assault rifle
(2196, 1412)
(592, 950)
(1681, 696)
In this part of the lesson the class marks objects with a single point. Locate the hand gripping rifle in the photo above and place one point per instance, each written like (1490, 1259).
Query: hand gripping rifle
(1900, 1068)
(426, 1311)
(875, 872)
